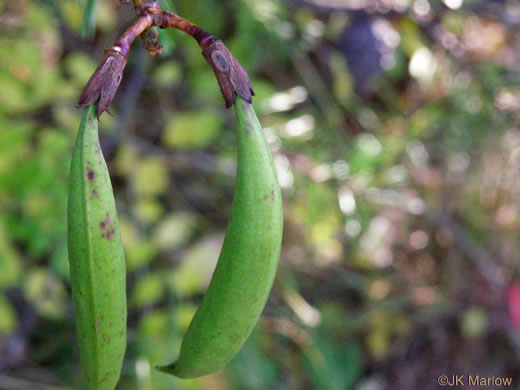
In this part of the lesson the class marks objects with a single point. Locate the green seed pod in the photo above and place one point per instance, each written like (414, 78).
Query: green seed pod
(97, 265)
(248, 261)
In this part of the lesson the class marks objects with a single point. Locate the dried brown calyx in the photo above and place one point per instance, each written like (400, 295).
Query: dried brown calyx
(231, 77)
(104, 82)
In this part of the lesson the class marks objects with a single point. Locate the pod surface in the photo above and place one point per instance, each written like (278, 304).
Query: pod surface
(97, 265)
(248, 261)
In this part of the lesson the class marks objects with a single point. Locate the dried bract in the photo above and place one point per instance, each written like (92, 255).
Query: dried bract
(104, 82)
(231, 77)
(151, 41)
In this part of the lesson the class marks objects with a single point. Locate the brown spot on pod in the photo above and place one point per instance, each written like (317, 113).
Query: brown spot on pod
(107, 228)
(105, 222)
(110, 233)
(90, 174)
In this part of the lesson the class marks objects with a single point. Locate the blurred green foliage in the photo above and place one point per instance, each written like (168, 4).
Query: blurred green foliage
(394, 130)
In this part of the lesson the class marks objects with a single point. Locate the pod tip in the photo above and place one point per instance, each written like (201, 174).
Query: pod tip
(169, 369)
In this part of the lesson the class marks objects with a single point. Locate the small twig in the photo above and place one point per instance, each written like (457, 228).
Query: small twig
(103, 84)
(167, 19)
(123, 44)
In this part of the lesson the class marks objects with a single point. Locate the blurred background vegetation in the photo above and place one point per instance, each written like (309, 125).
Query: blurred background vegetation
(394, 126)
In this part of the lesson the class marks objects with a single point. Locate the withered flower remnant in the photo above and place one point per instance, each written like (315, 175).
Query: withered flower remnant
(150, 40)
(104, 82)
(231, 77)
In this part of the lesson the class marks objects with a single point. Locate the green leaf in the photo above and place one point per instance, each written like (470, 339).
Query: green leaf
(167, 74)
(8, 320)
(45, 292)
(151, 177)
(192, 130)
(332, 366)
(72, 14)
(139, 251)
(148, 290)
(174, 231)
(252, 368)
(80, 67)
(10, 261)
(194, 273)
(149, 210)
(183, 314)
(89, 21)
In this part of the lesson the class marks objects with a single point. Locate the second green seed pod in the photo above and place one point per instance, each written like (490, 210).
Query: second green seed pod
(248, 261)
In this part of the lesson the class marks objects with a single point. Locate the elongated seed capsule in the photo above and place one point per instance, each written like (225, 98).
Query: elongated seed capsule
(97, 265)
(248, 261)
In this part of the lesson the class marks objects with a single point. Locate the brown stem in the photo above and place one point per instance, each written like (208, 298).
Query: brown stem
(123, 44)
(166, 19)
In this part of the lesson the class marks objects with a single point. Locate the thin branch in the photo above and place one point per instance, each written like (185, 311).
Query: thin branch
(167, 19)
(123, 44)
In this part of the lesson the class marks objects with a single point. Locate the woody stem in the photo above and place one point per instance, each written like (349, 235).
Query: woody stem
(166, 19)
(142, 24)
